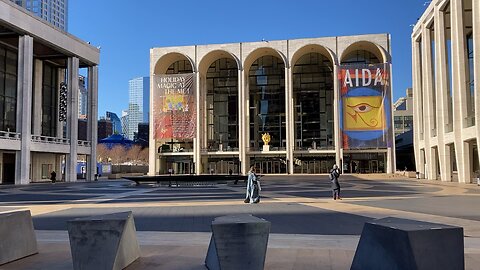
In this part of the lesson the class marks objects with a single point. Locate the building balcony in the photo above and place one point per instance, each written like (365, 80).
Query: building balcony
(9, 135)
(50, 140)
(84, 143)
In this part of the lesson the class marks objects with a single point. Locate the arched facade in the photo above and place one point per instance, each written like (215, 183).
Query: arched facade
(219, 102)
(287, 88)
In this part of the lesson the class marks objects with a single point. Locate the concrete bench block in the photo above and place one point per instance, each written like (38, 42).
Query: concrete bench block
(402, 244)
(17, 237)
(104, 241)
(238, 242)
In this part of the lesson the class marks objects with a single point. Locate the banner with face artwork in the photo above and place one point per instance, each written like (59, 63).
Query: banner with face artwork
(365, 106)
(174, 107)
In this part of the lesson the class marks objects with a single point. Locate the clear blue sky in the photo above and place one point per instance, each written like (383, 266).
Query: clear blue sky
(127, 29)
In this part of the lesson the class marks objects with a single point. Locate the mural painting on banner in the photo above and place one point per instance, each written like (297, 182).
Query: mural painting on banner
(365, 107)
(174, 108)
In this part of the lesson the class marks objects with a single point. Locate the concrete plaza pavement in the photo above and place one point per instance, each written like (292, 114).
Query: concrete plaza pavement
(309, 229)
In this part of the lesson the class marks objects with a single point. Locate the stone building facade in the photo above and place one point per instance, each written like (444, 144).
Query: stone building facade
(288, 88)
(446, 75)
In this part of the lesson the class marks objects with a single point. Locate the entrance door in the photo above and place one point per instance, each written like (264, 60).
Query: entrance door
(8, 168)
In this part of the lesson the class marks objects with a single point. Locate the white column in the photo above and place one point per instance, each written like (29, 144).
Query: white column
(417, 105)
(152, 146)
(241, 122)
(289, 125)
(476, 65)
(427, 79)
(336, 118)
(245, 117)
(391, 163)
(459, 77)
(92, 125)
(197, 142)
(441, 86)
(24, 108)
(72, 119)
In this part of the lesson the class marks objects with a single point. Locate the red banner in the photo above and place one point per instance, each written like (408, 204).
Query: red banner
(174, 107)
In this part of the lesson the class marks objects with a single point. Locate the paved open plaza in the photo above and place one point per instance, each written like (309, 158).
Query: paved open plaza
(309, 230)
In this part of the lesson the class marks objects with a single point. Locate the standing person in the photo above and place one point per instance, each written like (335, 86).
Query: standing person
(253, 187)
(334, 174)
(53, 177)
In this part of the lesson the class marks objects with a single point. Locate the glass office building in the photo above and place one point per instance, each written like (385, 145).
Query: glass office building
(53, 11)
(117, 123)
(138, 104)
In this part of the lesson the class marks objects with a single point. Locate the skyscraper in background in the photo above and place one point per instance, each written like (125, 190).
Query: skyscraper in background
(53, 11)
(138, 104)
(117, 124)
(124, 122)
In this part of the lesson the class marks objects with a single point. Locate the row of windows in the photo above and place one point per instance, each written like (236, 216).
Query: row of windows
(49, 100)
(469, 57)
(401, 122)
(313, 87)
(8, 90)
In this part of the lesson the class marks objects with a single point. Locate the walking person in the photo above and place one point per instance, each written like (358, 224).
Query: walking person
(253, 187)
(53, 177)
(334, 174)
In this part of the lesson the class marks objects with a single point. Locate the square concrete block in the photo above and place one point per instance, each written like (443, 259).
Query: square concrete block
(17, 237)
(394, 243)
(238, 242)
(104, 241)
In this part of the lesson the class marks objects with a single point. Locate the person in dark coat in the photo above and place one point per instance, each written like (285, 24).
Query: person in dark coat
(334, 174)
(53, 176)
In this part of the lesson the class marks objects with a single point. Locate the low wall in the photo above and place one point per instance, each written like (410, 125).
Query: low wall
(129, 169)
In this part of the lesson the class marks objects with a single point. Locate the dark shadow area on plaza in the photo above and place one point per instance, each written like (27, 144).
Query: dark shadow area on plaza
(287, 218)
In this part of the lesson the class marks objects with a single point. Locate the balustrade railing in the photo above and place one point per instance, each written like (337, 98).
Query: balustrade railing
(47, 139)
(9, 135)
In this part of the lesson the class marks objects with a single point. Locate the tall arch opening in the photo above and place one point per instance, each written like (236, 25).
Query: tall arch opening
(365, 105)
(221, 111)
(313, 98)
(267, 101)
(175, 154)
(266, 81)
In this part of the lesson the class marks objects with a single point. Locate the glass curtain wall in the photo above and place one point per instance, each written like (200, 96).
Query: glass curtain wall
(222, 105)
(313, 101)
(8, 90)
(267, 102)
(470, 87)
(448, 53)
(360, 57)
(49, 100)
(434, 79)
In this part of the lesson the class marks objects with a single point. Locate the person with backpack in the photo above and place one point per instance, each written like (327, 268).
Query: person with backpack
(334, 174)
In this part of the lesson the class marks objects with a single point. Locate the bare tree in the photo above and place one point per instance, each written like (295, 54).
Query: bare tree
(102, 153)
(118, 154)
(134, 153)
(143, 156)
